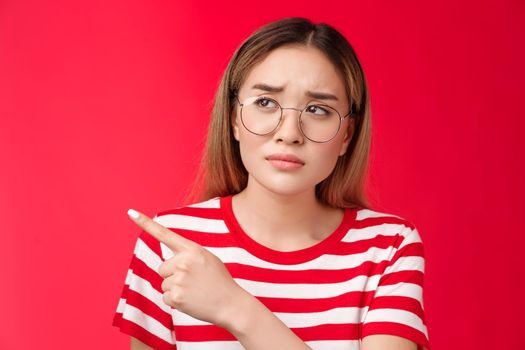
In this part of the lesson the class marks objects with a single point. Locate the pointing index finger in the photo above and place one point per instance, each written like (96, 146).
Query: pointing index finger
(174, 241)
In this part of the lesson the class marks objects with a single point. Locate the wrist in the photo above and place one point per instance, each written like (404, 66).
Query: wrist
(237, 317)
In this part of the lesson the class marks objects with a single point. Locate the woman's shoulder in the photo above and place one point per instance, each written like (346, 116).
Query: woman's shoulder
(199, 222)
(202, 216)
(201, 209)
(378, 216)
(212, 203)
(385, 223)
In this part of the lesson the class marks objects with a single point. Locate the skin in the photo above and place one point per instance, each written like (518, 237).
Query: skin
(278, 208)
(284, 213)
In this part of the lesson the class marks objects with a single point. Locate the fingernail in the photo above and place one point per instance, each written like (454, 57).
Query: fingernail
(133, 213)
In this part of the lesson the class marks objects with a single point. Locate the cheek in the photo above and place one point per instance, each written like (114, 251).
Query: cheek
(250, 149)
(326, 158)
(327, 155)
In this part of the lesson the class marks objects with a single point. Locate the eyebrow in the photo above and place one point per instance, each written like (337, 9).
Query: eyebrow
(313, 94)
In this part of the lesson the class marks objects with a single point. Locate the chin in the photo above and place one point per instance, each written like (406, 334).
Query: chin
(283, 186)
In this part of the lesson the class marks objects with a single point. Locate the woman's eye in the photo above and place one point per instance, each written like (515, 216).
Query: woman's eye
(317, 110)
(265, 102)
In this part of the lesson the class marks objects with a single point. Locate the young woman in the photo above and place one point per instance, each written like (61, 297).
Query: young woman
(281, 250)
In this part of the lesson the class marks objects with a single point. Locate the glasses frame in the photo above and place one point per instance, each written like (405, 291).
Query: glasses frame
(299, 120)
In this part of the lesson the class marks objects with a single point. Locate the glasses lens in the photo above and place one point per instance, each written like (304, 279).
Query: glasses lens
(261, 115)
(320, 122)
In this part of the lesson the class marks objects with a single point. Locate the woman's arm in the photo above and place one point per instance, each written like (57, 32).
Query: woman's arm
(257, 328)
(138, 345)
(390, 342)
(254, 322)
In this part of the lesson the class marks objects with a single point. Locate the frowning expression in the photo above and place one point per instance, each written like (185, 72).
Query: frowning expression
(294, 76)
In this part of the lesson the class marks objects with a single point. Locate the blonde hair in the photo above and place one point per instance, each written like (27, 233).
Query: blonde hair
(221, 171)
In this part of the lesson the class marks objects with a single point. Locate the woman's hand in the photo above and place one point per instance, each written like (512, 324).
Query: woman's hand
(196, 281)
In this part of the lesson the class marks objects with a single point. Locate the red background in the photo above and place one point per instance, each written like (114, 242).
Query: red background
(104, 106)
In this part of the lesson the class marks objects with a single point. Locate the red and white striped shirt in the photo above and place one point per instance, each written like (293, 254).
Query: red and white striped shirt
(365, 278)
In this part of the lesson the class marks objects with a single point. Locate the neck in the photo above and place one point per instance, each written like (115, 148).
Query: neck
(282, 217)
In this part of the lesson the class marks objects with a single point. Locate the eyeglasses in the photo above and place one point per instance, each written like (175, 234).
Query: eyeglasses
(319, 123)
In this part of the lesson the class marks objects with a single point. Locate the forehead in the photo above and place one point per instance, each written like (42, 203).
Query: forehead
(297, 69)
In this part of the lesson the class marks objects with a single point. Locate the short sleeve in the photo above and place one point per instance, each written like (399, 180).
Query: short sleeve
(141, 312)
(397, 305)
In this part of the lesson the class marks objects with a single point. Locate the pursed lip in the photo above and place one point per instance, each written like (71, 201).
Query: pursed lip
(286, 157)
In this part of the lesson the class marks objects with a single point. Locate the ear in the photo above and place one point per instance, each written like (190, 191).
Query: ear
(348, 136)
(234, 124)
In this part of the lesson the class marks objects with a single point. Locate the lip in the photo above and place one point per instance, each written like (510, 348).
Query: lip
(284, 165)
(286, 157)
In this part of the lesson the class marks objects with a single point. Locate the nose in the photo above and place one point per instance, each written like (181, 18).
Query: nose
(288, 129)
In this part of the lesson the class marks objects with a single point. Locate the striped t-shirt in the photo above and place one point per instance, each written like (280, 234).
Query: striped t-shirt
(365, 278)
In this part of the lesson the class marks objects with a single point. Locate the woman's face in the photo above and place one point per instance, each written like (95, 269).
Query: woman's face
(297, 70)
